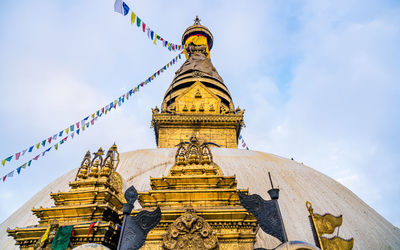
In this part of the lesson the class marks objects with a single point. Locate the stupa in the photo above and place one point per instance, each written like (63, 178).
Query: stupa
(194, 176)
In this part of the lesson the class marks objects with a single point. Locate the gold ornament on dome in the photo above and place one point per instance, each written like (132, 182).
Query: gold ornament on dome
(190, 231)
(326, 224)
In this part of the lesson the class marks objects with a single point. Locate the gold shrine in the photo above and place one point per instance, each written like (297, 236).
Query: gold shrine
(197, 103)
(196, 187)
(95, 196)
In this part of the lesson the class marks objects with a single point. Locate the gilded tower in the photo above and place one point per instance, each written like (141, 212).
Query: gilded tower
(197, 103)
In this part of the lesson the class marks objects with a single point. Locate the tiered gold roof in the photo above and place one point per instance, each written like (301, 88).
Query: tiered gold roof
(196, 187)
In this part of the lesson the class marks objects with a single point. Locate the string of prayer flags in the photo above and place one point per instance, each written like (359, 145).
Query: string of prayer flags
(122, 8)
(71, 130)
(243, 143)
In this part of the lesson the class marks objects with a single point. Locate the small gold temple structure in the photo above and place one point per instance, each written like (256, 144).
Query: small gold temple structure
(197, 194)
(95, 196)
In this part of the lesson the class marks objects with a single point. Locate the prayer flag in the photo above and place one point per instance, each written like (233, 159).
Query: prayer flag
(9, 158)
(36, 157)
(37, 145)
(60, 134)
(45, 235)
(24, 165)
(56, 145)
(62, 238)
(247, 148)
(11, 174)
(4, 177)
(93, 116)
(92, 122)
(55, 137)
(3, 162)
(102, 110)
(24, 151)
(71, 128)
(67, 130)
(90, 227)
(126, 8)
(118, 6)
(19, 170)
(17, 155)
(49, 139)
(133, 17)
(77, 131)
(152, 35)
(83, 128)
(155, 39)
(29, 162)
(148, 31)
(87, 125)
(240, 137)
(143, 26)
(77, 124)
(138, 21)
(30, 149)
(43, 143)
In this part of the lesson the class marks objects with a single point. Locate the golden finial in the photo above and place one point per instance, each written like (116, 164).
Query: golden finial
(309, 207)
(197, 21)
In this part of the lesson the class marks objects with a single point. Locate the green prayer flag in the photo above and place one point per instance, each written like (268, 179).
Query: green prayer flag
(29, 163)
(62, 238)
(43, 143)
(138, 21)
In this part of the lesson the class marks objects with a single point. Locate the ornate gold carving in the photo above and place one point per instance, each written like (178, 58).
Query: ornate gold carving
(337, 243)
(99, 167)
(326, 224)
(190, 231)
(195, 96)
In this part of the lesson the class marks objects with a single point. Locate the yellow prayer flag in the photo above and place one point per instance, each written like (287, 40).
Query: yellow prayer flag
(133, 17)
(67, 130)
(56, 146)
(93, 116)
(37, 145)
(3, 162)
(45, 235)
(155, 39)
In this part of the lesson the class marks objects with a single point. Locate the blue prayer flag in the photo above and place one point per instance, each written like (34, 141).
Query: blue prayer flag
(126, 8)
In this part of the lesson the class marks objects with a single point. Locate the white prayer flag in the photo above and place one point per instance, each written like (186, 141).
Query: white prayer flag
(118, 6)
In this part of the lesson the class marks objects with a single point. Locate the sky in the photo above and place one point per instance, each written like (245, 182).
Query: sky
(319, 81)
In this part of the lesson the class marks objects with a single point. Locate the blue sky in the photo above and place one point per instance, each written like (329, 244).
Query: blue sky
(319, 81)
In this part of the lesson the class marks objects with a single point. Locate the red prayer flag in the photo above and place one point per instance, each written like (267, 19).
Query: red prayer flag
(143, 26)
(90, 227)
(102, 110)
(17, 155)
(4, 178)
(92, 122)
(37, 157)
(49, 140)
(77, 124)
